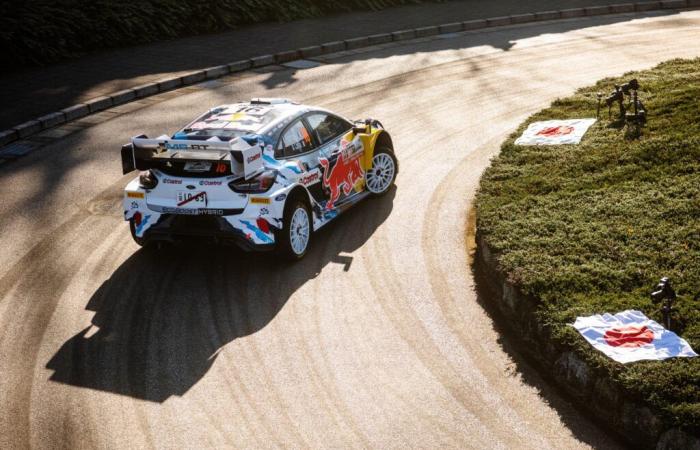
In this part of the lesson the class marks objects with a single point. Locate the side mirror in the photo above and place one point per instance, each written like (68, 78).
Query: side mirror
(128, 163)
(358, 130)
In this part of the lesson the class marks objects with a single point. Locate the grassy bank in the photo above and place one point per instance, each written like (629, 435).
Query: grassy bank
(591, 228)
(37, 32)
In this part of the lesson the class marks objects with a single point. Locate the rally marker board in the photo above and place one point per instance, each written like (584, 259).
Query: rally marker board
(555, 132)
(631, 336)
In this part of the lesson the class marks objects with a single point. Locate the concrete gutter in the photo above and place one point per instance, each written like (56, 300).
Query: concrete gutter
(617, 411)
(96, 105)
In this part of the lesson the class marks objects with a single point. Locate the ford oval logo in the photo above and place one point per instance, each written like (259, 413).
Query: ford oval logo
(189, 186)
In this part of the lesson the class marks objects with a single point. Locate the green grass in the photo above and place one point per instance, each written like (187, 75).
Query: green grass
(37, 32)
(591, 228)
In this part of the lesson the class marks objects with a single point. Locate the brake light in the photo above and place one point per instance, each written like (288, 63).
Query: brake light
(261, 183)
(148, 180)
(137, 218)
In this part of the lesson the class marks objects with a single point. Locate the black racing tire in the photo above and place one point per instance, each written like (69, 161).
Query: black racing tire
(297, 227)
(139, 240)
(381, 176)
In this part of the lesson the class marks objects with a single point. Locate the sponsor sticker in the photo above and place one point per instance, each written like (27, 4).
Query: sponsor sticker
(253, 158)
(135, 195)
(171, 146)
(342, 177)
(171, 181)
(211, 212)
(194, 211)
(260, 200)
(309, 179)
(210, 183)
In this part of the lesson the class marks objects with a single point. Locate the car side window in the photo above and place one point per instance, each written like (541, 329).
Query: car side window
(326, 126)
(295, 140)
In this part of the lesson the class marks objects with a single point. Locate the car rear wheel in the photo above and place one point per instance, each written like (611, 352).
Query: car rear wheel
(296, 232)
(380, 177)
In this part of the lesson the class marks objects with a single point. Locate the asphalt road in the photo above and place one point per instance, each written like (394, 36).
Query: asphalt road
(377, 339)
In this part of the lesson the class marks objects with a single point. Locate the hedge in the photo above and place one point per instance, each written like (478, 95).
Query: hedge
(590, 228)
(36, 32)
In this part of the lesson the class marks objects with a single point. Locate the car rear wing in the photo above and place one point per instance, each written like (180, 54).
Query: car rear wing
(235, 157)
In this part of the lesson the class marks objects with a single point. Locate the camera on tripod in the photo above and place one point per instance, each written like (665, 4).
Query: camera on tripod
(664, 293)
(639, 114)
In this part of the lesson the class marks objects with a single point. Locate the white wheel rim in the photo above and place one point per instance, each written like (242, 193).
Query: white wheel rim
(299, 231)
(380, 176)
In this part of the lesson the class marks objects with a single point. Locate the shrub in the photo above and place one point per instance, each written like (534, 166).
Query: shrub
(37, 32)
(591, 228)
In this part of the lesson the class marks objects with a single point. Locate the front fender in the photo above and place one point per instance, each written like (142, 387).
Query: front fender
(369, 143)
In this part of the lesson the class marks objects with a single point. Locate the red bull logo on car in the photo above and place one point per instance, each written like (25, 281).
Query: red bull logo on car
(343, 176)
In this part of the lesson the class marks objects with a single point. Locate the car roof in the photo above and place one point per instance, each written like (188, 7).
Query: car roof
(258, 116)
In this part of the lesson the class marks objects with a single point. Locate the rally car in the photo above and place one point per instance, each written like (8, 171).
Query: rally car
(263, 174)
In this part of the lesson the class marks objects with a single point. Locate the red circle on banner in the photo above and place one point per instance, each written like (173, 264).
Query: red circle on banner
(629, 336)
(561, 130)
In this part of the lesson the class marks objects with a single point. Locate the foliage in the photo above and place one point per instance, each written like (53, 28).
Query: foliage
(44, 31)
(591, 228)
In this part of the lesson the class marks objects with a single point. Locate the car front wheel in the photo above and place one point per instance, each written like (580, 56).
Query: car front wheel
(383, 172)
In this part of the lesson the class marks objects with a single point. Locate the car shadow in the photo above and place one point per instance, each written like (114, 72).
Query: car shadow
(163, 316)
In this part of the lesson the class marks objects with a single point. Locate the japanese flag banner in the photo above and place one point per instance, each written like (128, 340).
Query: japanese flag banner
(555, 132)
(630, 336)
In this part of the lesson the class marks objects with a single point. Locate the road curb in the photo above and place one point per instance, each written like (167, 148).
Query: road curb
(615, 409)
(95, 105)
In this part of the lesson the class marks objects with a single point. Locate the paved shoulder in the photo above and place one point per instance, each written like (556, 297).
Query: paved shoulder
(28, 94)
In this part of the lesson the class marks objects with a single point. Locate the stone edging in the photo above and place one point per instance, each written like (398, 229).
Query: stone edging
(632, 420)
(119, 98)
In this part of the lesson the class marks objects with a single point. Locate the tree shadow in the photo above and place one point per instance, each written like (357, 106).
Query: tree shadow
(163, 316)
(28, 93)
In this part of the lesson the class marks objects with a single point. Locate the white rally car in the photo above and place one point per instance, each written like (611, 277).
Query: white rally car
(264, 174)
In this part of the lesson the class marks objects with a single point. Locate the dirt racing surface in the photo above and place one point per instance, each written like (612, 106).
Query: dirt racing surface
(376, 339)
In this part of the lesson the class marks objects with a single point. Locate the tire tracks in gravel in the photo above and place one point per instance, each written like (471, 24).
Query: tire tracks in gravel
(37, 282)
(474, 403)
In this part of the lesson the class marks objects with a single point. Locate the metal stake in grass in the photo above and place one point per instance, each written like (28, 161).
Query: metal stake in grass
(664, 293)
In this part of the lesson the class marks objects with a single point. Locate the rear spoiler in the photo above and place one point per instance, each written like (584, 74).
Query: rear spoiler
(142, 153)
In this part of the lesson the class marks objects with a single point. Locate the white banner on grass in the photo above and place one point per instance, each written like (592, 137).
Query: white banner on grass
(631, 336)
(555, 132)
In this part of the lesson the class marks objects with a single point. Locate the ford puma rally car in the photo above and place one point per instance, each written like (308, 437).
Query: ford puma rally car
(263, 174)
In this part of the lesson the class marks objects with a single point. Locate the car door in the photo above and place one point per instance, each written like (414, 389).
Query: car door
(298, 145)
(338, 159)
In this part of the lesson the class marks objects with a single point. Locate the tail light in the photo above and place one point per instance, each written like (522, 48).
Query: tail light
(261, 183)
(147, 180)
